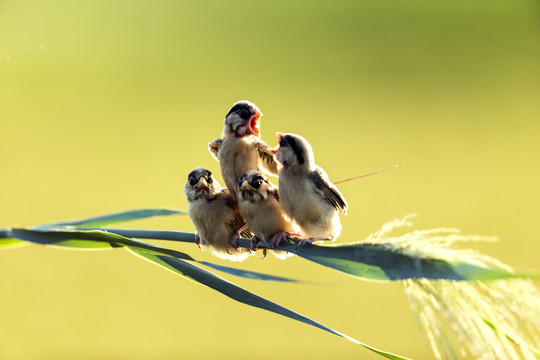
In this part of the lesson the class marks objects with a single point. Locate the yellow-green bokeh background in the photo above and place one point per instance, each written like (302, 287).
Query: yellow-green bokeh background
(119, 107)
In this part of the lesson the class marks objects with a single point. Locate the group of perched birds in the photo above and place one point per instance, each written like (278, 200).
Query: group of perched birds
(305, 207)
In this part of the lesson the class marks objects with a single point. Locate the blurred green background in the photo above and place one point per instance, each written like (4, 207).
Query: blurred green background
(119, 106)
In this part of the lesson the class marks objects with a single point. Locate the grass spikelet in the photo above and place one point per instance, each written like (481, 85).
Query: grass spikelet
(434, 243)
(481, 320)
(497, 319)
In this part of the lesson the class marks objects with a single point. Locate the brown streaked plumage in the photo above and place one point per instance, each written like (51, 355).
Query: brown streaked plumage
(258, 200)
(215, 214)
(306, 194)
(240, 148)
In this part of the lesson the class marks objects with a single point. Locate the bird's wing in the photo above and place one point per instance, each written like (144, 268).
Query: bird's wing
(237, 220)
(328, 190)
(214, 146)
(267, 157)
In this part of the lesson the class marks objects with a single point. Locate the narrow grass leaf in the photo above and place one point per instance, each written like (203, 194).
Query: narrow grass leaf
(245, 273)
(6, 243)
(118, 217)
(99, 239)
(379, 262)
(178, 236)
(88, 239)
(239, 294)
(69, 239)
(368, 260)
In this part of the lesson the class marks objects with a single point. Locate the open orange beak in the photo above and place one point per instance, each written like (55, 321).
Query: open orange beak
(254, 126)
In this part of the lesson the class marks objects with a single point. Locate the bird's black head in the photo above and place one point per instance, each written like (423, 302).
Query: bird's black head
(291, 141)
(201, 184)
(294, 151)
(243, 120)
(254, 186)
(254, 179)
(244, 109)
(195, 176)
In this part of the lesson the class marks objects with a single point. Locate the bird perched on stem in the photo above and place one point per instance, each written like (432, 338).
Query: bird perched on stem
(216, 216)
(306, 194)
(258, 200)
(240, 148)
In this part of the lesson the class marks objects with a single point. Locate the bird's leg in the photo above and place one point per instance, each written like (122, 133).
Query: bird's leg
(302, 242)
(234, 237)
(198, 241)
(278, 238)
(254, 242)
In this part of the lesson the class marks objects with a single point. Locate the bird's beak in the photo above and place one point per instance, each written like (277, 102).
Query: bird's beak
(202, 183)
(245, 186)
(254, 126)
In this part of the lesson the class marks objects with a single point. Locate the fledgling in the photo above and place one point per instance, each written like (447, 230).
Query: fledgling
(306, 194)
(216, 216)
(240, 148)
(258, 200)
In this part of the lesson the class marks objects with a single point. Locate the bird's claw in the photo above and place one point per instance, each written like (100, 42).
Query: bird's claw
(198, 241)
(254, 243)
(278, 238)
(235, 236)
(234, 242)
(302, 242)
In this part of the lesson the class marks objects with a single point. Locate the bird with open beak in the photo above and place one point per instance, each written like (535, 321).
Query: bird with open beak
(240, 148)
(306, 194)
(258, 200)
(215, 214)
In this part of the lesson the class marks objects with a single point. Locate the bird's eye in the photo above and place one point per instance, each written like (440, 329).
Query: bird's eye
(192, 181)
(257, 183)
(244, 114)
(209, 179)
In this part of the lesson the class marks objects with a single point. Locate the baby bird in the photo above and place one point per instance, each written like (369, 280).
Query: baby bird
(306, 194)
(240, 148)
(215, 214)
(258, 201)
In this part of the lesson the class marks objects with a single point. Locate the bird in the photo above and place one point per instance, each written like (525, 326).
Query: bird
(215, 214)
(306, 194)
(240, 147)
(258, 200)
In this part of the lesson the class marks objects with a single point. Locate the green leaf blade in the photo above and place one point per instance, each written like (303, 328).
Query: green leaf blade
(239, 294)
(380, 263)
(69, 239)
(246, 274)
(9, 243)
(119, 217)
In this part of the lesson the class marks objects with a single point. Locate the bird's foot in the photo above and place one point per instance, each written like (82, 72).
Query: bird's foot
(234, 237)
(198, 241)
(254, 243)
(302, 242)
(278, 238)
